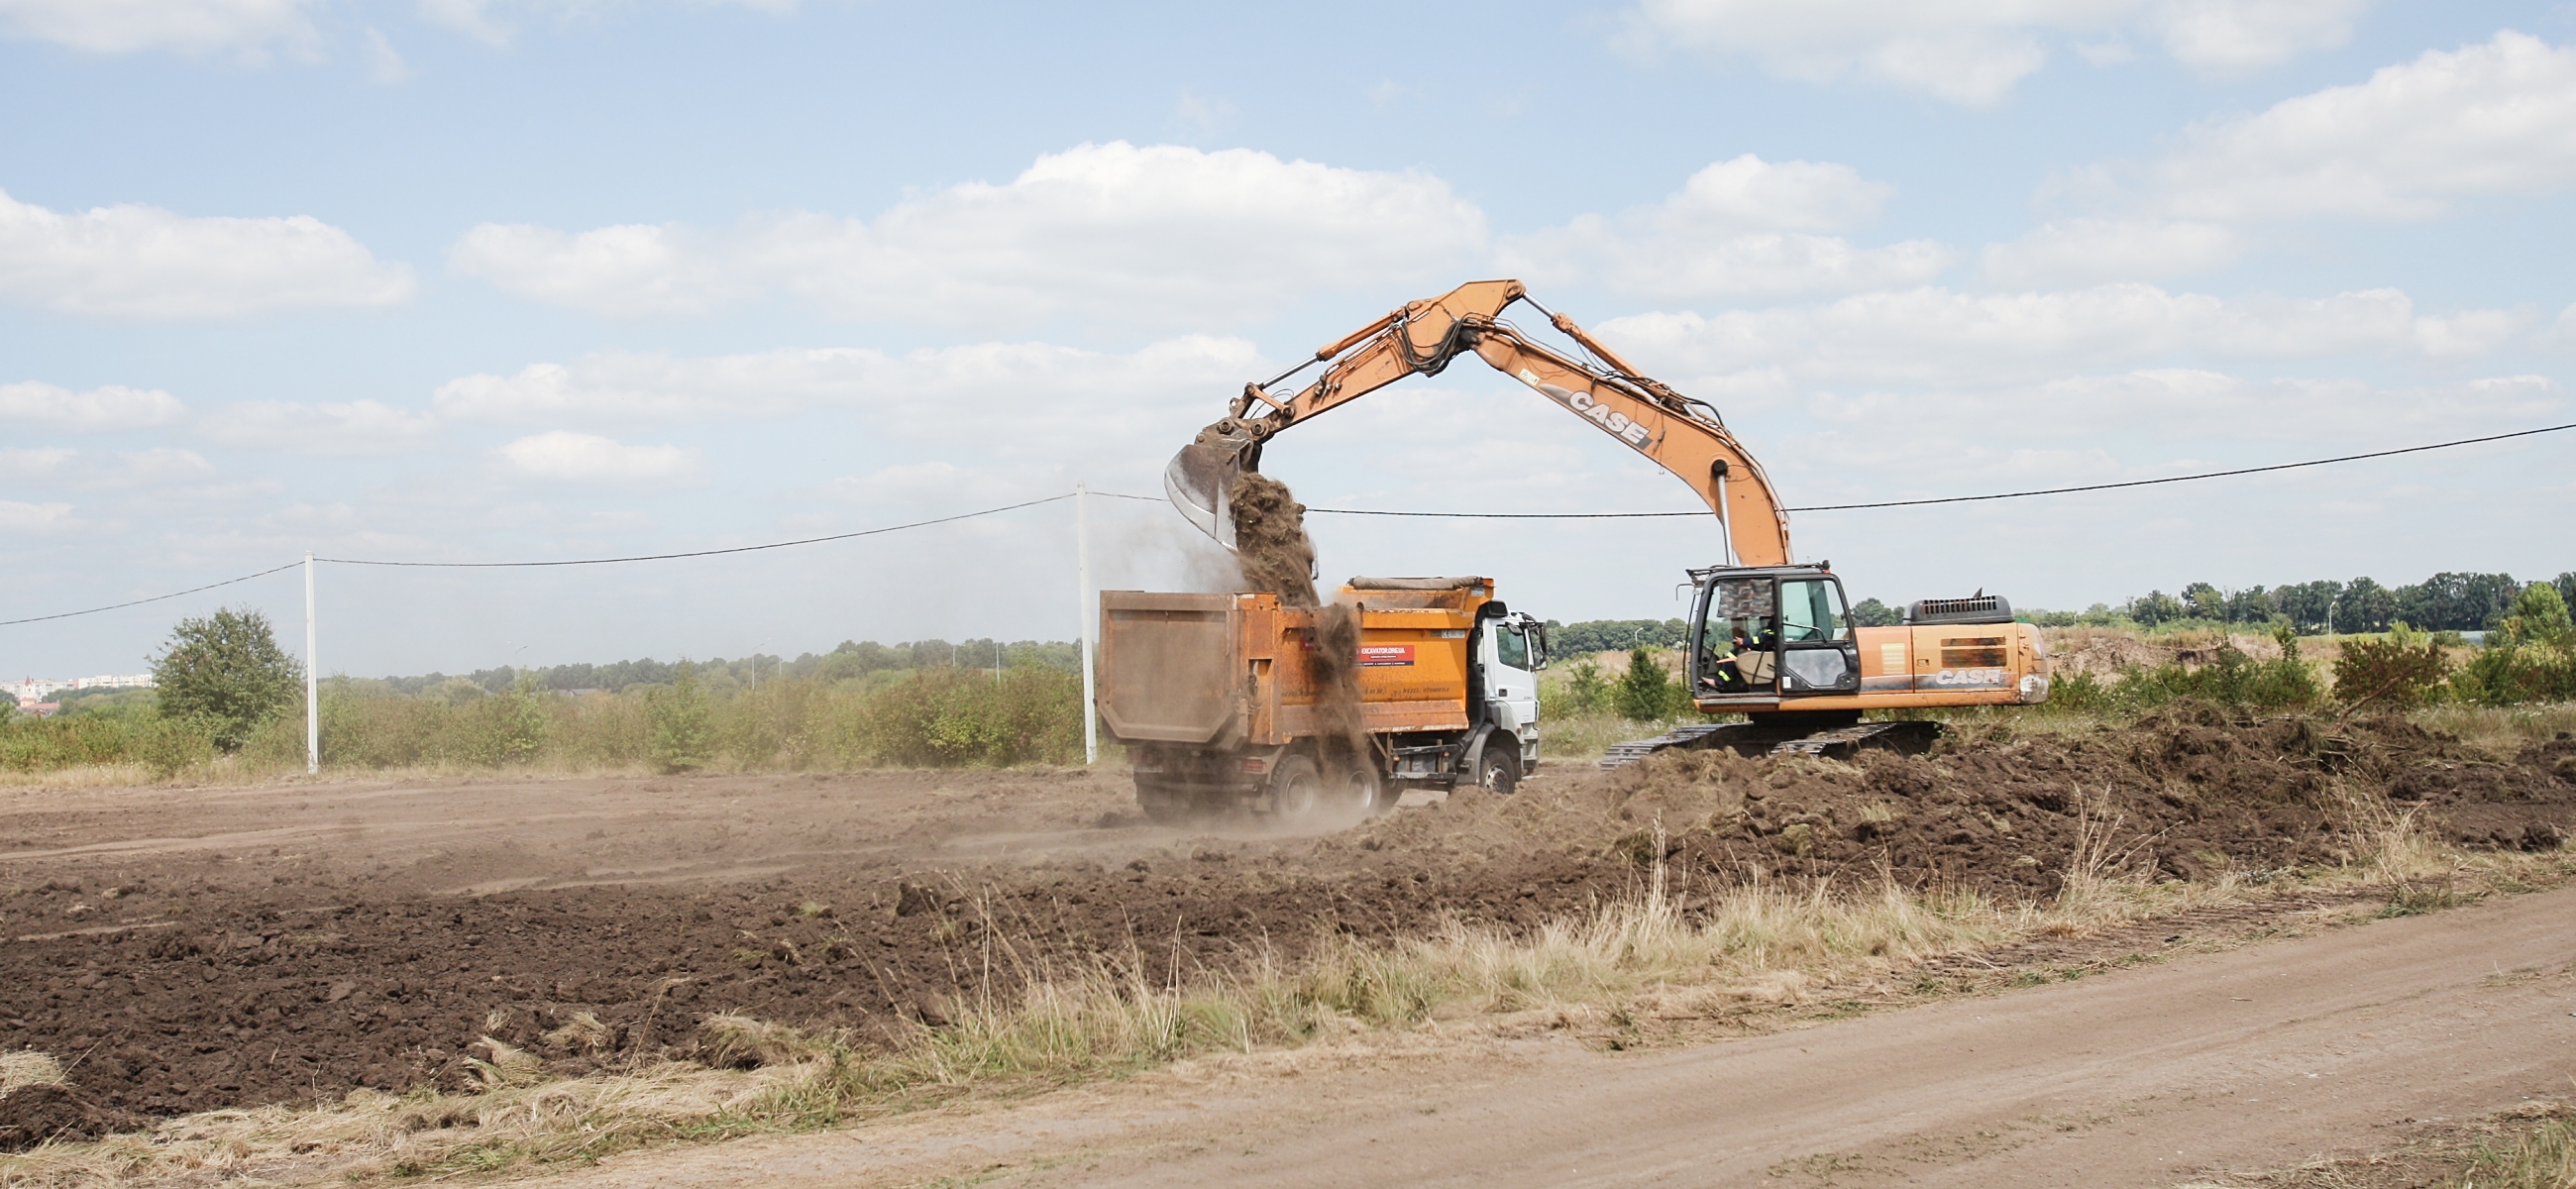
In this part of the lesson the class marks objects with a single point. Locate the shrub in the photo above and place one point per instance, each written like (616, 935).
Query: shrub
(682, 734)
(509, 728)
(2530, 658)
(227, 673)
(944, 717)
(168, 746)
(1646, 693)
(1586, 690)
(2403, 668)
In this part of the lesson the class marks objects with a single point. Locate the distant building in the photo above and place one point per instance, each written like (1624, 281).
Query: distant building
(28, 691)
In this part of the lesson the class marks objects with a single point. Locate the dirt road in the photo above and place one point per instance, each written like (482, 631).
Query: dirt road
(2260, 1057)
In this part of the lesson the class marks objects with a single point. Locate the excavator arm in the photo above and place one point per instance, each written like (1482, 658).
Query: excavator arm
(1679, 434)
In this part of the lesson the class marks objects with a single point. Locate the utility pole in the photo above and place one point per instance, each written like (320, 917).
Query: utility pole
(1082, 600)
(312, 681)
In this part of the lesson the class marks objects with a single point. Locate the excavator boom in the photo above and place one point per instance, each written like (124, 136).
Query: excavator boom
(1681, 435)
(1769, 638)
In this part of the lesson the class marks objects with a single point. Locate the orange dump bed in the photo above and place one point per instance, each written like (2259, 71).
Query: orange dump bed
(1224, 670)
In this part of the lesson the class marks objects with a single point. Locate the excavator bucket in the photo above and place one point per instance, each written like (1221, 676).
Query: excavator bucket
(1196, 481)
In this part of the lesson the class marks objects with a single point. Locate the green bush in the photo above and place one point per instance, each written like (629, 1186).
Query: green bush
(170, 745)
(507, 728)
(2230, 678)
(1645, 693)
(947, 717)
(1586, 691)
(2530, 658)
(2402, 669)
(682, 735)
(225, 673)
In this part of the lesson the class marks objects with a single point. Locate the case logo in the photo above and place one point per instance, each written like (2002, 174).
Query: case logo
(1610, 420)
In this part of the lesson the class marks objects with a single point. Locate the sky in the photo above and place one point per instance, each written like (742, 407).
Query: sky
(515, 280)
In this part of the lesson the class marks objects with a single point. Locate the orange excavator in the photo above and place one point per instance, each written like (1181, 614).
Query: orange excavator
(1770, 637)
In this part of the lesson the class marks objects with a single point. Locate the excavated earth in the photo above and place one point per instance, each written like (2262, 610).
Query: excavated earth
(182, 948)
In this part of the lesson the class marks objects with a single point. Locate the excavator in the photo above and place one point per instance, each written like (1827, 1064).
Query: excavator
(1771, 638)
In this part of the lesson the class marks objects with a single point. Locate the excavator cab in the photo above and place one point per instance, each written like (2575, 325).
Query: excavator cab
(1763, 636)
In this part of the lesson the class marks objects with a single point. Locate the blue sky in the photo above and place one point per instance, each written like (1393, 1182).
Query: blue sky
(447, 280)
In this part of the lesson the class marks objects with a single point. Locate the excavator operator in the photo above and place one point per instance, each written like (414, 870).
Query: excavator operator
(1741, 609)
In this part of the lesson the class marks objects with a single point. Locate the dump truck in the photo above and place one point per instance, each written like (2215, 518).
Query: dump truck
(1220, 698)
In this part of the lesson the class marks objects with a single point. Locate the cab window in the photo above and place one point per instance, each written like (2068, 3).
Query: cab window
(1811, 610)
(1510, 649)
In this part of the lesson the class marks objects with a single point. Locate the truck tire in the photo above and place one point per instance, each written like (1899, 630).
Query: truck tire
(1498, 771)
(1367, 790)
(1297, 789)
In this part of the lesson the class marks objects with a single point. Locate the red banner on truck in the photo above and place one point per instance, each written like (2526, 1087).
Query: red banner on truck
(1374, 655)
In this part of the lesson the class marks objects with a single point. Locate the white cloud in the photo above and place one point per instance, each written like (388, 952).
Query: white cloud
(157, 467)
(1749, 193)
(1931, 335)
(1736, 229)
(384, 65)
(325, 428)
(581, 457)
(17, 517)
(191, 26)
(2084, 251)
(476, 19)
(2494, 118)
(38, 463)
(2239, 34)
(2182, 403)
(144, 262)
(1163, 234)
(1974, 51)
(935, 394)
(112, 406)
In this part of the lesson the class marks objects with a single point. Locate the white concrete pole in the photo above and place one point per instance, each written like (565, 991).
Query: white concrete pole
(1082, 598)
(312, 681)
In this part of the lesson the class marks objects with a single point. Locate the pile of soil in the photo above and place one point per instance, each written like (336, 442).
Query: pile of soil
(30, 1115)
(255, 994)
(2186, 793)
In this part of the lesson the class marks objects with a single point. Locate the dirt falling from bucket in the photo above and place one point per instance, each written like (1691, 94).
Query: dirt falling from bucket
(1270, 540)
(1276, 556)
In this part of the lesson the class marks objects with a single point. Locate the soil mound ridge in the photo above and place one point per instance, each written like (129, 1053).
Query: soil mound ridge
(2187, 792)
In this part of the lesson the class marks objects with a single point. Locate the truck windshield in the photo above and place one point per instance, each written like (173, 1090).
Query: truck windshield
(1811, 610)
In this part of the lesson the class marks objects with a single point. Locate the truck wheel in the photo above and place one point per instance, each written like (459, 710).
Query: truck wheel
(1366, 790)
(1498, 771)
(1296, 789)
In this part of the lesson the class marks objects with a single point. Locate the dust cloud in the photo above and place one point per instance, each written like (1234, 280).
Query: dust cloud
(1276, 556)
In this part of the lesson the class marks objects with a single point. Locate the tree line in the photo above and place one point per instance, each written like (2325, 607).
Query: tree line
(2445, 602)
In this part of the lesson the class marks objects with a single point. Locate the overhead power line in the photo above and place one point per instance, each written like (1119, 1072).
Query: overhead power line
(154, 599)
(585, 561)
(892, 528)
(602, 561)
(1964, 499)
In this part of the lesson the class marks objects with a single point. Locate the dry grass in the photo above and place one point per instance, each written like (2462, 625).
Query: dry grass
(2542, 1157)
(29, 1068)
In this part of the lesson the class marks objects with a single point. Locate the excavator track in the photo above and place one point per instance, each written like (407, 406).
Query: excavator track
(1752, 739)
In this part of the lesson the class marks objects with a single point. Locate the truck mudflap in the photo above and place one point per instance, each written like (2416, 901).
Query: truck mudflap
(1753, 739)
